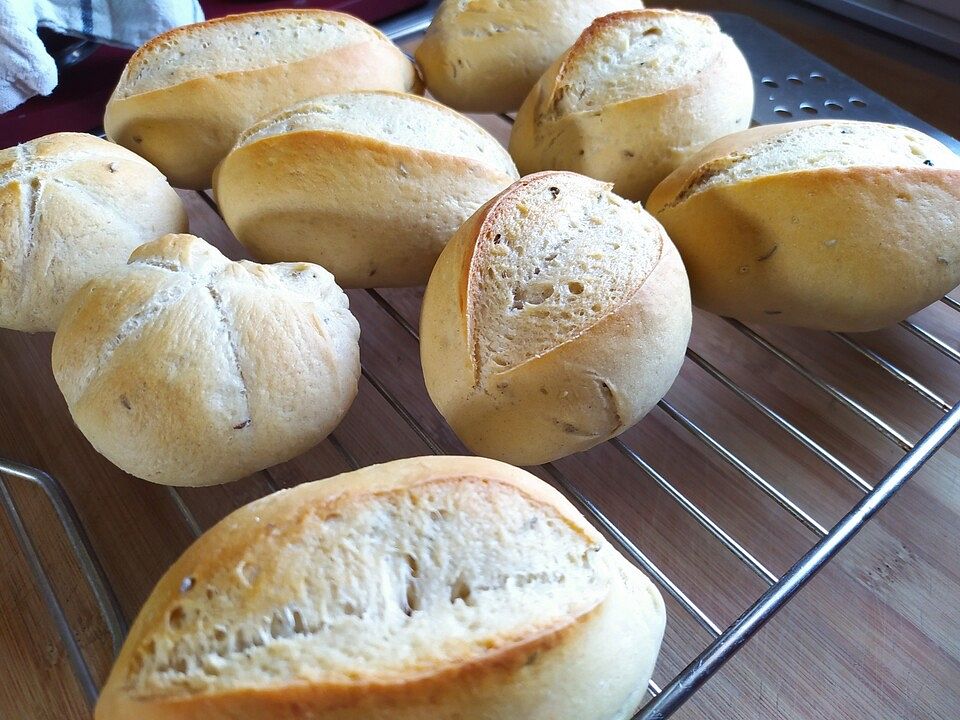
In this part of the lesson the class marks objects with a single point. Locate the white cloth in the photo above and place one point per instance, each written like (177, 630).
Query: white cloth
(26, 69)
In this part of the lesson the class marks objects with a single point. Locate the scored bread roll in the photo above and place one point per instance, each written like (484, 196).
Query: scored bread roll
(833, 225)
(186, 95)
(371, 185)
(485, 55)
(184, 368)
(637, 94)
(72, 206)
(556, 317)
(426, 588)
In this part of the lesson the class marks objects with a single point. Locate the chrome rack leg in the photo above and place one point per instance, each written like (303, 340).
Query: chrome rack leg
(89, 566)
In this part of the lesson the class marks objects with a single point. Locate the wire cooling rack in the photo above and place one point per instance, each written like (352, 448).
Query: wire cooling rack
(791, 83)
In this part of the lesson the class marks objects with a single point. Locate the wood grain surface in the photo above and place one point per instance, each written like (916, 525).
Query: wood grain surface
(875, 635)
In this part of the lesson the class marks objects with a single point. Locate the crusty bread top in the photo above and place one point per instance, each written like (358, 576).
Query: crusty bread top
(556, 253)
(635, 53)
(480, 19)
(803, 146)
(239, 42)
(388, 574)
(392, 117)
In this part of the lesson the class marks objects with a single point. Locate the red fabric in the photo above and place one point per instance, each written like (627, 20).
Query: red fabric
(77, 103)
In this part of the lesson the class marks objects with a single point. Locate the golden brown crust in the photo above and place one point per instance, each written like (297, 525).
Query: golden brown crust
(373, 212)
(833, 248)
(486, 55)
(569, 398)
(230, 540)
(637, 142)
(186, 129)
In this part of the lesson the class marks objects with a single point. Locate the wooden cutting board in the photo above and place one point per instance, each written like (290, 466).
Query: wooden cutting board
(875, 635)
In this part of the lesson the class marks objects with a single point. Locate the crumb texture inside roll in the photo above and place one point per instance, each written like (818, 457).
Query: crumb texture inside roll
(636, 54)
(826, 145)
(396, 583)
(396, 118)
(556, 255)
(244, 42)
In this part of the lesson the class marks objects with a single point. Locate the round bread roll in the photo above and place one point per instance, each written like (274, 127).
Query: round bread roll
(555, 319)
(184, 368)
(832, 225)
(71, 207)
(635, 96)
(426, 588)
(371, 185)
(485, 55)
(186, 95)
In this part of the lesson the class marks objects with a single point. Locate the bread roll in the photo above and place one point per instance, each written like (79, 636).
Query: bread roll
(556, 318)
(184, 368)
(485, 55)
(371, 185)
(422, 589)
(71, 207)
(186, 95)
(635, 96)
(833, 225)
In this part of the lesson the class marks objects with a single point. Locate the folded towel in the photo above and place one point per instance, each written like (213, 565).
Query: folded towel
(26, 69)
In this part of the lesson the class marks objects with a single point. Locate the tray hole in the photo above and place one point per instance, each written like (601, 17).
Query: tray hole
(794, 80)
(833, 105)
(781, 111)
(770, 82)
(857, 102)
(808, 108)
(818, 77)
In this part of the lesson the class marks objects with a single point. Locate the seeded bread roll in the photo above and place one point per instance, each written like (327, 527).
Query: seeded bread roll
(371, 185)
(426, 588)
(485, 55)
(186, 95)
(637, 94)
(555, 319)
(71, 207)
(833, 225)
(184, 368)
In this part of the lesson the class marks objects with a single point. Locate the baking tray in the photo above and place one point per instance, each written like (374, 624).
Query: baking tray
(791, 84)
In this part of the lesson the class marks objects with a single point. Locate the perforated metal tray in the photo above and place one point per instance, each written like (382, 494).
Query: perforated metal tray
(791, 83)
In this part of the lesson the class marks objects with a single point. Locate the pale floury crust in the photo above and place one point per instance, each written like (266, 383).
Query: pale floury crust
(618, 309)
(485, 55)
(831, 225)
(72, 206)
(370, 185)
(236, 70)
(184, 368)
(636, 95)
(421, 588)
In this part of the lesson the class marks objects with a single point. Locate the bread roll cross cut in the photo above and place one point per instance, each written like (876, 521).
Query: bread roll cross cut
(184, 368)
(434, 588)
(556, 317)
(71, 207)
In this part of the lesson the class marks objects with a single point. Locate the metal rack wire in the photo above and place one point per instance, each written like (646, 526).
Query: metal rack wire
(724, 642)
